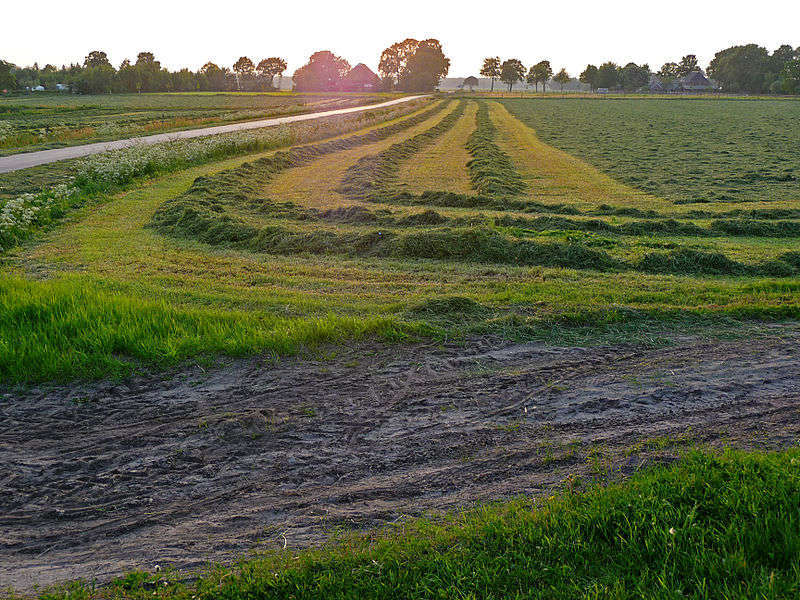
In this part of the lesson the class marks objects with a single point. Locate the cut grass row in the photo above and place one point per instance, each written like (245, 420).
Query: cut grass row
(111, 247)
(373, 176)
(711, 526)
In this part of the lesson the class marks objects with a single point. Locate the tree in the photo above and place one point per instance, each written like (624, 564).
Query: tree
(687, 65)
(244, 68)
(632, 76)
(589, 77)
(669, 70)
(512, 71)
(562, 78)
(8, 81)
(148, 72)
(322, 73)
(608, 75)
(214, 78)
(541, 72)
(128, 77)
(781, 57)
(183, 81)
(741, 68)
(491, 68)
(96, 80)
(394, 59)
(269, 67)
(425, 68)
(96, 58)
(471, 82)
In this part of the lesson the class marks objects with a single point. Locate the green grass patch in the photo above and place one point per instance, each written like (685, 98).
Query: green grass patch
(60, 330)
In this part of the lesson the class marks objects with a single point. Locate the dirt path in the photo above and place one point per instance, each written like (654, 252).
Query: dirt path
(15, 162)
(103, 478)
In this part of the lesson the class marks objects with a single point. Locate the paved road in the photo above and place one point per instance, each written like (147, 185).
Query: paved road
(32, 159)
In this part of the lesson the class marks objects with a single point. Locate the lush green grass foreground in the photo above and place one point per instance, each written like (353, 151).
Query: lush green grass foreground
(713, 526)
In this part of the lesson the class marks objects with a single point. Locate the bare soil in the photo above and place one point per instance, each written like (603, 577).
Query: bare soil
(203, 466)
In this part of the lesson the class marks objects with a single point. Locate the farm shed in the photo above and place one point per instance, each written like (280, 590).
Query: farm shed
(361, 79)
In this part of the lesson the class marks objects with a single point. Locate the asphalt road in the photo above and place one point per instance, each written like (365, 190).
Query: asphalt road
(25, 160)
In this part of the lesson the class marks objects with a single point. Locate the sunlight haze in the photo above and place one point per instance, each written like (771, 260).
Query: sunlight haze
(570, 34)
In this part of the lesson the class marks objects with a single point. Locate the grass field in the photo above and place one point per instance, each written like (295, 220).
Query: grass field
(354, 235)
(569, 221)
(713, 526)
(51, 121)
(688, 152)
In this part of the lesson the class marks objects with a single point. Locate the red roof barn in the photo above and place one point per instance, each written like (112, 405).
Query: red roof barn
(361, 79)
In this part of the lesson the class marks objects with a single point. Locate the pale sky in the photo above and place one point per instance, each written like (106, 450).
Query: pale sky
(568, 33)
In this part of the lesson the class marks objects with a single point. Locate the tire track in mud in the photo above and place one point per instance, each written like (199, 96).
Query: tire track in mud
(100, 478)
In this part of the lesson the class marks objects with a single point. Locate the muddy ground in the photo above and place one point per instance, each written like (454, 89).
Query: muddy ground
(103, 478)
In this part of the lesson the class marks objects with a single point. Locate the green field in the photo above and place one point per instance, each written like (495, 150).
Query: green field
(336, 238)
(689, 151)
(570, 221)
(37, 122)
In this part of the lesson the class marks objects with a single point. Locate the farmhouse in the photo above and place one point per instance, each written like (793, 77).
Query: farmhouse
(697, 82)
(361, 79)
(693, 82)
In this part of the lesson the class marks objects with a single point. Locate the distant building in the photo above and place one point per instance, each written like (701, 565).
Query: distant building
(361, 79)
(697, 82)
(471, 82)
(693, 82)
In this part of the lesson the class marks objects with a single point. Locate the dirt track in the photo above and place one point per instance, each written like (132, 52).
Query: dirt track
(97, 480)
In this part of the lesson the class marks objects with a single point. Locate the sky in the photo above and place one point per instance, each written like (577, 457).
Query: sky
(568, 33)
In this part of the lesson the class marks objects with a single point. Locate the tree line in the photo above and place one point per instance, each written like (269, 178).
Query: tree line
(512, 71)
(748, 69)
(411, 66)
(98, 76)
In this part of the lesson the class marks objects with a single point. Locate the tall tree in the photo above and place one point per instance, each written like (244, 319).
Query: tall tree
(782, 55)
(491, 68)
(669, 70)
(511, 72)
(425, 68)
(96, 58)
(214, 77)
(608, 75)
(149, 72)
(128, 77)
(542, 72)
(323, 72)
(244, 67)
(741, 68)
(269, 67)
(688, 65)
(562, 78)
(633, 77)
(8, 81)
(394, 59)
(589, 77)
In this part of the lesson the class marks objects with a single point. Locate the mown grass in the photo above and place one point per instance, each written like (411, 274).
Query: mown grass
(222, 237)
(722, 525)
(698, 151)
